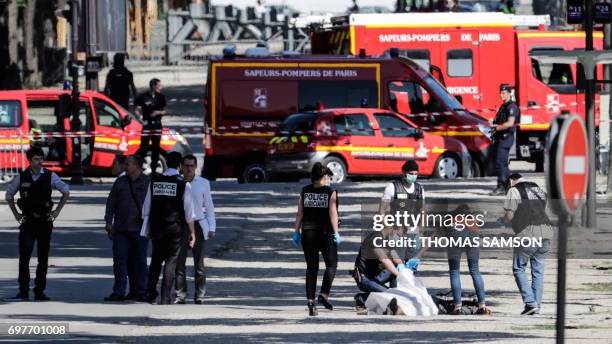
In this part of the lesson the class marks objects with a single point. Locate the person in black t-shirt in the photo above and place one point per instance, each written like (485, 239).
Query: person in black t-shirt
(119, 82)
(150, 106)
(316, 228)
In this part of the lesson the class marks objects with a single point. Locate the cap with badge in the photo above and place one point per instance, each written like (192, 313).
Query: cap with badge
(505, 87)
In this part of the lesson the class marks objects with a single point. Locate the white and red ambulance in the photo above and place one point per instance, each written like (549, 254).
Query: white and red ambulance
(473, 53)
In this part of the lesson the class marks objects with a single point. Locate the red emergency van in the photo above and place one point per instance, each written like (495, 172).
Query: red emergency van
(475, 53)
(370, 142)
(29, 116)
(249, 97)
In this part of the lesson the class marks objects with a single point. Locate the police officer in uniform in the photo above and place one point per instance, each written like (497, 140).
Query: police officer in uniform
(119, 82)
(503, 137)
(316, 228)
(151, 107)
(405, 195)
(167, 208)
(36, 220)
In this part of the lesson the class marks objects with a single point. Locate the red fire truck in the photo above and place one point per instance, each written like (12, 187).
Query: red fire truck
(248, 98)
(474, 53)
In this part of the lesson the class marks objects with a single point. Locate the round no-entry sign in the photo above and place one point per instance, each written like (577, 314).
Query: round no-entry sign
(571, 164)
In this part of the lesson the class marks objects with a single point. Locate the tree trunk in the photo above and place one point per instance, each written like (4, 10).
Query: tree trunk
(31, 77)
(12, 32)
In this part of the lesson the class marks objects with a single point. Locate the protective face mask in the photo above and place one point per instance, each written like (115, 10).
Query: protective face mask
(410, 178)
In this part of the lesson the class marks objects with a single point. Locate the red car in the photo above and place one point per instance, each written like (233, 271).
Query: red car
(107, 129)
(362, 141)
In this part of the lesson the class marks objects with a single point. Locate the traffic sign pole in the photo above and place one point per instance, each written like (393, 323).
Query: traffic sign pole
(567, 176)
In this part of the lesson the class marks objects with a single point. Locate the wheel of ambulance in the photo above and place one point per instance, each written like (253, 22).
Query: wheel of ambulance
(161, 164)
(254, 173)
(447, 167)
(337, 167)
(475, 170)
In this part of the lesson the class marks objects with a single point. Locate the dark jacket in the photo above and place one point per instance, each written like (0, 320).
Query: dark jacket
(122, 209)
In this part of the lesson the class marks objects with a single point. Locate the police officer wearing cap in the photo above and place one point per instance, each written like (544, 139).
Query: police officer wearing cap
(503, 136)
(35, 186)
(167, 208)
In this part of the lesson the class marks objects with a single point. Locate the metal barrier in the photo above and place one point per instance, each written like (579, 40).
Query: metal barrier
(12, 155)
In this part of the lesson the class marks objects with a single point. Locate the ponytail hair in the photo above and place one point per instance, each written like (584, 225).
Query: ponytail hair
(319, 171)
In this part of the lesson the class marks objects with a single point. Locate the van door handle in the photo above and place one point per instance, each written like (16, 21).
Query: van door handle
(531, 103)
(347, 142)
(390, 145)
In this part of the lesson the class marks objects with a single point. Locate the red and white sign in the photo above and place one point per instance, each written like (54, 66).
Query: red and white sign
(572, 161)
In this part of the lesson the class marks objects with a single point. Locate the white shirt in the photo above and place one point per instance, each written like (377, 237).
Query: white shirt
(56, 183)
(203, 207)
(389, 193)
(187, 204)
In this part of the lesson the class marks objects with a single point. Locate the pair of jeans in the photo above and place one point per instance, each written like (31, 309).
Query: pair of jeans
(454, 268)
(374, 284)
(313, 242)
(198, 262)
(130, 260)
(530, 292)
(166, 248)
(31, 232)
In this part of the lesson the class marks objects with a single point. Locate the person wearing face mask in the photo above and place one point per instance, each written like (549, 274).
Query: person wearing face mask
(316, 228)
(405, 195)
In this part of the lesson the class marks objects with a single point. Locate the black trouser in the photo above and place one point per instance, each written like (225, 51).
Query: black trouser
(166, 249)
(501, 149)
(313, 242)
(198, 262)
(30, 232)
(151, 142)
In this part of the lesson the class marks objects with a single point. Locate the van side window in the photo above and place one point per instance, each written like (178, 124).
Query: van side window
(353, 125)
(10, 113)
(391, 126)
(106, 114)
(43, 114)
(420, 56)
(316, 95)
(557, 76)
(460, 62)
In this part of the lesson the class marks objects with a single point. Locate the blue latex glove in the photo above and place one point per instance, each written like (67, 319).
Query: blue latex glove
(337, 239)
(296, 239)
(400, 267)
(502, 221)
(413, 264)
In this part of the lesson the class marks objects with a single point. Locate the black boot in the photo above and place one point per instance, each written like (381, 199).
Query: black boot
(312, 309)
(499, 190)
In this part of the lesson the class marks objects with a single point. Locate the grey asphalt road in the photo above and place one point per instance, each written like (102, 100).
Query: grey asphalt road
(256, 280)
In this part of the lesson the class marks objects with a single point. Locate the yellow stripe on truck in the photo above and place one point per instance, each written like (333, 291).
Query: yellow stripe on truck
(536, 126)
(365, 149)
(455, 133)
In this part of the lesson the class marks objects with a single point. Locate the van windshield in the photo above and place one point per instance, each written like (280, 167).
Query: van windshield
(10, 114)
(410, 97)
(299, 122)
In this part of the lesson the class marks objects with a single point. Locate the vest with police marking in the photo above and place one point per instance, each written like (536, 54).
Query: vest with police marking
(532, 209)
(502, 116)
(167, 213)
(35, 196)
(315, 205)
(405, 201)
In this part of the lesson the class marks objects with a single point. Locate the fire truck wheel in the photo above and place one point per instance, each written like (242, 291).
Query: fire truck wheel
(161, 164)
(447, 167)
(539, 165)
(254, 172)
(337, 166)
